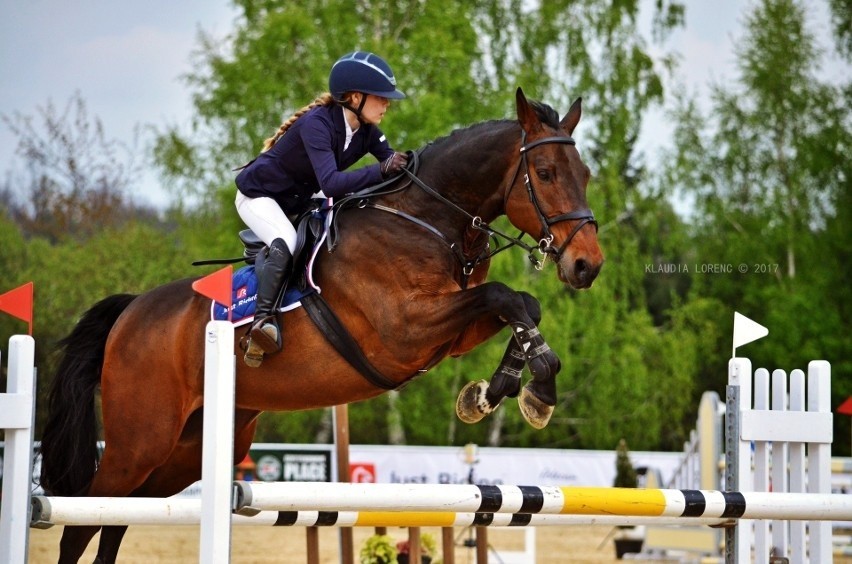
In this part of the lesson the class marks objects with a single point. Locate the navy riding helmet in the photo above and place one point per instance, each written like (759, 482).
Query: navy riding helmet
(365, 72)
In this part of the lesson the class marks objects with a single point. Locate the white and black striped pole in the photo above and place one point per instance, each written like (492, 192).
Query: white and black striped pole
(252, 497)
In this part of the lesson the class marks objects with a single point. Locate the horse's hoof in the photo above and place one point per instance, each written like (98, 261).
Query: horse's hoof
(536, 412)
(471, 406)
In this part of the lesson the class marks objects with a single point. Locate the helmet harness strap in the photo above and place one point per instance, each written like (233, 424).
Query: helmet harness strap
(357, 111)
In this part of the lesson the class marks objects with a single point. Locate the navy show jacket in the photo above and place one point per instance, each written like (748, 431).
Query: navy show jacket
(309, 157)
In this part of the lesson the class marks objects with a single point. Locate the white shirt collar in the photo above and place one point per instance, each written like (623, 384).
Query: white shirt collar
(349, 131)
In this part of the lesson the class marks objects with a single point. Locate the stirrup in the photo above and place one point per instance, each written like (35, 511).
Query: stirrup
(266, 335)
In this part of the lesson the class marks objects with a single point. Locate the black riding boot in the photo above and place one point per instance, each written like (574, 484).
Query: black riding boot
(265, 333)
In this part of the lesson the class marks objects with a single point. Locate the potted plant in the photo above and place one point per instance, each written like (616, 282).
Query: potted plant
(625, 477)
(625, 473)
(427, 549)
(378, 549)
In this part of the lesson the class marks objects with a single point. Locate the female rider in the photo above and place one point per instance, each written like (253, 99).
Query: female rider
(322, 140)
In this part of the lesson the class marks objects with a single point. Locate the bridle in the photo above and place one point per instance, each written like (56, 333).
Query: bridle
(545, 244)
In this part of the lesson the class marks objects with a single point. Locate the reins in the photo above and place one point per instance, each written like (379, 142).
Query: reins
(477, 223)
(544, 247)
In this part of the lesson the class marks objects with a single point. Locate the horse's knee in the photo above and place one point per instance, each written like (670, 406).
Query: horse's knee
(532, 306)
(510, 304)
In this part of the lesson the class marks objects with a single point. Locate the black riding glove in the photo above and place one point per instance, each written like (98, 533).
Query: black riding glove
(394, 164)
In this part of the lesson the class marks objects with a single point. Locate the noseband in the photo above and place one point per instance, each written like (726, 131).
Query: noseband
(545, 244)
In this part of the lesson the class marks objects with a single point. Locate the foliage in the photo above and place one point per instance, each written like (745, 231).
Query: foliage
(377, 549)
(768, 171)
(428, 546)
(764, 168)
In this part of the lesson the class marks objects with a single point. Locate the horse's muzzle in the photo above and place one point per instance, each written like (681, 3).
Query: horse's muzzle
(579, 273)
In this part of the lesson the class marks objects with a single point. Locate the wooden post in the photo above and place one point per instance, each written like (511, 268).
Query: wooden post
(448, 544)
(481, 545)
(414, 544)
(312, 539)
(341, 440)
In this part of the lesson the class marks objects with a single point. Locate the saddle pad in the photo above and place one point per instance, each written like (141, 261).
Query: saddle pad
(244, 297)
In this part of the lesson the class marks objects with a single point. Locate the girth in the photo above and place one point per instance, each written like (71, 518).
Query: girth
(339, 337)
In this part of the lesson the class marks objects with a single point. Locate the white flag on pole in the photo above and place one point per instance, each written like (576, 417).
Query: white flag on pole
(746, 331)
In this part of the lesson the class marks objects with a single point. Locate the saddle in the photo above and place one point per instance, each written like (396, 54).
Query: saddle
(312, 229)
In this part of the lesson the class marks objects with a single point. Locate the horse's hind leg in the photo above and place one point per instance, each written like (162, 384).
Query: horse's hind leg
(181, 470)
(109, 543)
(74, 542)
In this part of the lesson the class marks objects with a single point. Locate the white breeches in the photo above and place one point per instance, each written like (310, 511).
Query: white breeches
(266, 218)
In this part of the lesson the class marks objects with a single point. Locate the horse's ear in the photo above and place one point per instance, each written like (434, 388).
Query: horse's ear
(526, 115)
(572, 118)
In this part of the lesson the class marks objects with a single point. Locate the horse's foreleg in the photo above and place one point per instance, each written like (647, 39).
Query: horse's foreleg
(478, 399)
(538, 397)
(527, 346)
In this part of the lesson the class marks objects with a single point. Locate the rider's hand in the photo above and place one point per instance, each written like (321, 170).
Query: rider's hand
(394, 164)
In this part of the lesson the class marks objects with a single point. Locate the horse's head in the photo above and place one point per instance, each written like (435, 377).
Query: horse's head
(548, 197)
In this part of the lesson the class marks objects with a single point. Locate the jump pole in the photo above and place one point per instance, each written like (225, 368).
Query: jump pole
(176, 511)
(561, 500)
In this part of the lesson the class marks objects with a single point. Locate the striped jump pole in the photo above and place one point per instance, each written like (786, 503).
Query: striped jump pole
(110, 511)
(320, 496)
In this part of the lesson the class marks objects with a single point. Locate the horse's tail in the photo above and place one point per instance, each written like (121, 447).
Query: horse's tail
(69, 451)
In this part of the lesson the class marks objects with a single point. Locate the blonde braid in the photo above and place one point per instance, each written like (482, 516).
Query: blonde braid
(322, 100)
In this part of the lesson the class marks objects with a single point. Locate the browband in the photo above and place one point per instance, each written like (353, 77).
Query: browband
(565, 140)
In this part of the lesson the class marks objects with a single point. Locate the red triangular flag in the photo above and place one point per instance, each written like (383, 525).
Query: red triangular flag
(217, 287)
(19, 303)
(846, 407)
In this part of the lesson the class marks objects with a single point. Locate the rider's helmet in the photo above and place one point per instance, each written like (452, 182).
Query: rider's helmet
(365, 72)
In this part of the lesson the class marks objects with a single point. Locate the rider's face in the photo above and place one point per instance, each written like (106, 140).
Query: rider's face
(374, 108)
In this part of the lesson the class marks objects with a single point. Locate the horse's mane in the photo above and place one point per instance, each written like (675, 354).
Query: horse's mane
(547, 115)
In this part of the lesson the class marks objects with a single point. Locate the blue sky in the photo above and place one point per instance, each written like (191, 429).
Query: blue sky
(126, 58)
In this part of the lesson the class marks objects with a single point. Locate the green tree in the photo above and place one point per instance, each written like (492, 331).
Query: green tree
(769, 174)
(619, 360)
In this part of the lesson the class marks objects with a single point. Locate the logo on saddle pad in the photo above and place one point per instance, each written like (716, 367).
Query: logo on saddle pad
(244, 296)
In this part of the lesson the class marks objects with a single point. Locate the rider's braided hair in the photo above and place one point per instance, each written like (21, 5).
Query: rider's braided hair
(324, 99)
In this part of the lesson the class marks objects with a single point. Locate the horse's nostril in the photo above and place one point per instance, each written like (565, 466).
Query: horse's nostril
(580, 268)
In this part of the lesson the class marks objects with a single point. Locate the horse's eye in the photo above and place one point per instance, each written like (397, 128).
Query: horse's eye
(543, 174)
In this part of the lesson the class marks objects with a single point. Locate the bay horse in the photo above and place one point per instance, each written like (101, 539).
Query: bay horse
(427, 260)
